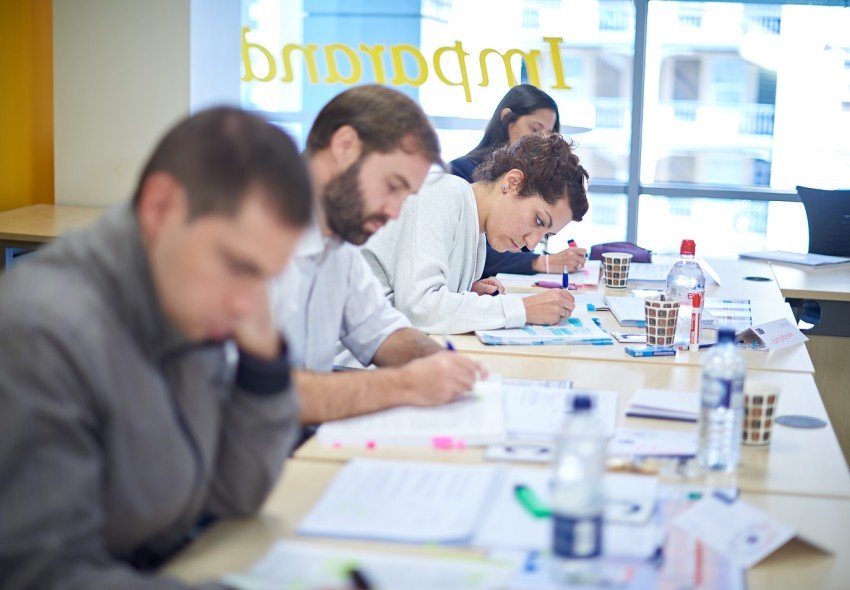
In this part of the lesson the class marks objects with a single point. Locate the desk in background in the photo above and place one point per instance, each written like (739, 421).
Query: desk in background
(829, 340)
(798, 461)
(28, 228)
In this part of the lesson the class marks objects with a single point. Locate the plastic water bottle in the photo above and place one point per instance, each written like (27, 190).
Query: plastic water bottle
(721, 417)
(685, 279)
(578, 499)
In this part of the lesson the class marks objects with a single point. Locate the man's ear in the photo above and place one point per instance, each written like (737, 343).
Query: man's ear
(162, 200)
(345, 146)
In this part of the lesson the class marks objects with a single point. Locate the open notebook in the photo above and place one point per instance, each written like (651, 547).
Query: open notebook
(573, 330)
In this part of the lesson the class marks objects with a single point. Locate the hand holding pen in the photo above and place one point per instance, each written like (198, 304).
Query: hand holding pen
(488, 286)
(573, 258)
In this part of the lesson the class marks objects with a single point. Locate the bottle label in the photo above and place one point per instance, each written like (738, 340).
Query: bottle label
(720, 393)
(577, 537)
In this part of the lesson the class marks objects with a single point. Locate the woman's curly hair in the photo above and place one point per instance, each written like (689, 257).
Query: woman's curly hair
(549, 168)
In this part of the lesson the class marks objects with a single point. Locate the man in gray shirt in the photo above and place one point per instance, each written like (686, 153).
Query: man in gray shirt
(144, 384)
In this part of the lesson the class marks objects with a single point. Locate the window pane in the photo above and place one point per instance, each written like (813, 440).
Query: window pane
(721, 227)
(604, 222)
(747, 95)
(457, 58)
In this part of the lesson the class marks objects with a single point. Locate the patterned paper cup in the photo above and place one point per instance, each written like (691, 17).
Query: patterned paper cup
(760, 400)
(661, 316)
(615, 269)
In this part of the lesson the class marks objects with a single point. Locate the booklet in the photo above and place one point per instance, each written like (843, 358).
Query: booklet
(572, 330)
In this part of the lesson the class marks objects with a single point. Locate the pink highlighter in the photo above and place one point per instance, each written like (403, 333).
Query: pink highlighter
(553, 285)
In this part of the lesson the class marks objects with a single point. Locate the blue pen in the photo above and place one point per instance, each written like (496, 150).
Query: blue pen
(449, 345)
(565, 279)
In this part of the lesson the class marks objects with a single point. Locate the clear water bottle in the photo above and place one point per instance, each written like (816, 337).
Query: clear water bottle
(685, 279)
(578, 499)
(721, 417)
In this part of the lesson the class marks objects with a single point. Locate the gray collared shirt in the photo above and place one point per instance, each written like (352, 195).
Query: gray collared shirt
(327, 295)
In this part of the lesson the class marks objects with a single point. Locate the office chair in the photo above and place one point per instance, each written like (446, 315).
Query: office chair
(828, 214)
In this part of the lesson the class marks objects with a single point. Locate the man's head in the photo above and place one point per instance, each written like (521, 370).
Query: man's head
(221, 204)
(375, 146)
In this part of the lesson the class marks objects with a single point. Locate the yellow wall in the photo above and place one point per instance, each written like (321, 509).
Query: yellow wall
(26, 103)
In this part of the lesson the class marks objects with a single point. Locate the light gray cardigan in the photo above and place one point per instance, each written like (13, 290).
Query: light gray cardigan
(428, 259)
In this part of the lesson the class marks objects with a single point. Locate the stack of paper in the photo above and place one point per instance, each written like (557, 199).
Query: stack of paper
(629, 504)
(573, 330)
(732, 313)
(794, 258)
(403, 501)
(648, 272)
(628, 310)
(588, 276)
(297, 565)
(476, 419)
(535, 413)
(664, 404)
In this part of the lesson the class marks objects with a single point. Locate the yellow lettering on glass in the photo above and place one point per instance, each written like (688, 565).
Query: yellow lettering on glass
(309, 52)
(249, 74)
(457, 49)
(374, 52)
(557, 65)
(333, 70)
(529, 57)
(401, 76)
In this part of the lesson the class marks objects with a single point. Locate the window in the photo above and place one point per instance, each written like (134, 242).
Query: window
(740, 102)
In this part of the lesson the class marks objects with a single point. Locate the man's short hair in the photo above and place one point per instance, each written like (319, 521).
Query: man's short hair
(385, 120)
(219, 154)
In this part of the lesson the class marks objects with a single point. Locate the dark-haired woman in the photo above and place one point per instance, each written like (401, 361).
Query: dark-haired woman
(429, 261)
(524, 109)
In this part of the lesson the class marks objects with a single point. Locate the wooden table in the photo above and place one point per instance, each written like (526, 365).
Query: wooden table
(234, 545)
(829, 341)
(794, 358)
(33, 226)
(806, 462)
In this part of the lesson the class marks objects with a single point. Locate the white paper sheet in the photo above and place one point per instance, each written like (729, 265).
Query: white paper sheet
(647, 442)
(664, 404)
(473, 420)
(535, 413)
(507, 525)
(293, 565)
(402, 501)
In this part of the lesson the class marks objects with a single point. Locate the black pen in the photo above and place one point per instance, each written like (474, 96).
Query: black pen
(358, 579)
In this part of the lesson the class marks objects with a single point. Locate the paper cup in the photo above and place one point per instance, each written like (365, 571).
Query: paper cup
(615, 269)
(661, 317)
(760, 400)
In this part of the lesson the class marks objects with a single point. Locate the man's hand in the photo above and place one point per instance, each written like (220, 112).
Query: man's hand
(490, 286)
(257, 334)
(549, 307)
(572, 258)
(439, 378)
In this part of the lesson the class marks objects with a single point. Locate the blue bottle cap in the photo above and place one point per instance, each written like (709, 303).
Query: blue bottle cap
(582, 402)
(726, 336)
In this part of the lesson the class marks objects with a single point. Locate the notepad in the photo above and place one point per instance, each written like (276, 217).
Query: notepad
(795, 258)
(403, 501)
(573, 330)
(664, 404)
(299, 565)
(587, 276)
(476, 419)
(648, 272)
(630, 500)
(535, 412)
(628, 310)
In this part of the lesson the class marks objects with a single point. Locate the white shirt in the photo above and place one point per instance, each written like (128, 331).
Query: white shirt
(428, 259)
(327, 294)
